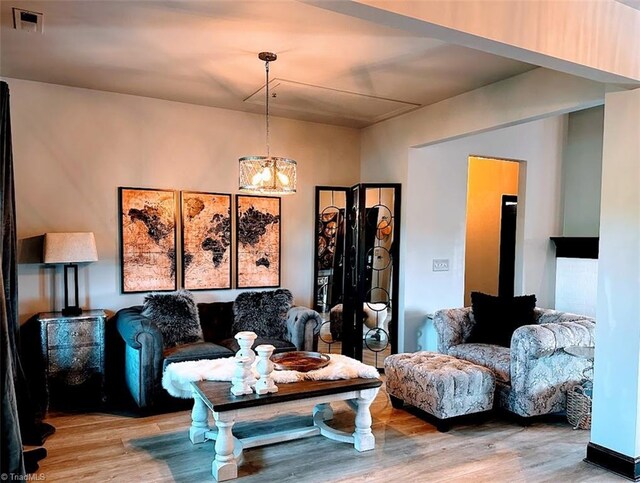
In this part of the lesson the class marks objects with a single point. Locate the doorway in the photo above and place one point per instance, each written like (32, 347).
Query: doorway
(507, 269)
(490, 245)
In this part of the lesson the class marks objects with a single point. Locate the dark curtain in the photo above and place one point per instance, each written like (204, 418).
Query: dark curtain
(11, 451)
(20, 424)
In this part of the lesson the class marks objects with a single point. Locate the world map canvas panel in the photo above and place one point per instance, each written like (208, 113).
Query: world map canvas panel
(147, 239)
(258, 241)
(206, 240)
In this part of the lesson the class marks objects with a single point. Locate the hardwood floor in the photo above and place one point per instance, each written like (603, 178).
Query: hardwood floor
(372, 358)
(100, 447)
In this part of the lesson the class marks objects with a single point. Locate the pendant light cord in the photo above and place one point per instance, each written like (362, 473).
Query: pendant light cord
(266, 67)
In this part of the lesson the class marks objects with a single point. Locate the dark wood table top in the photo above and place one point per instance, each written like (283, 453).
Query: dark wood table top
(220, 397)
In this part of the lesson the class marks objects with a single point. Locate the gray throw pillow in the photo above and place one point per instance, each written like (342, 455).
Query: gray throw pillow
(176, 316)
(264, 313)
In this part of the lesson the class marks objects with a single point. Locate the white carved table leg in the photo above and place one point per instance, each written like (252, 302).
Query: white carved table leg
(199, 420)
(325, 409)
(225, 466)
(363, 439)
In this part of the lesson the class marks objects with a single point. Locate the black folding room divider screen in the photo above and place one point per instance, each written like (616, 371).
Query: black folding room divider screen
(356, 269)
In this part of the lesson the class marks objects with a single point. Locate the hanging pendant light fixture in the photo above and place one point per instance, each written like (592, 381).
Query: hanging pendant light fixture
(267, 174)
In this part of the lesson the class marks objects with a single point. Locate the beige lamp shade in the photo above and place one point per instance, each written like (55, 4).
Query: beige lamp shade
(70, 248)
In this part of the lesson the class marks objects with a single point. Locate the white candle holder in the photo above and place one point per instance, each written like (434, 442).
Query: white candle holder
(245, 341)
(240, 384)
(265, 384)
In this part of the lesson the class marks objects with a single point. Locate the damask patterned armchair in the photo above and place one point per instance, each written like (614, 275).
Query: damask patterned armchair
(533, 375)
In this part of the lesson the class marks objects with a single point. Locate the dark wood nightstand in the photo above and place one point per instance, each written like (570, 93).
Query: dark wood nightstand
(73, 348)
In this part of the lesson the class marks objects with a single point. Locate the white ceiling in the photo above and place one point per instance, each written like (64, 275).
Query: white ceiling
(631, 3)
(205, 52)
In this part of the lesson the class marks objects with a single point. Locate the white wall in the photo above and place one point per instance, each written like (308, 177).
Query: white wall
(74, 147)
(577, 285)
(616, 397)
(386, 146)
(529, 96)
(582, 172)
(436, 198)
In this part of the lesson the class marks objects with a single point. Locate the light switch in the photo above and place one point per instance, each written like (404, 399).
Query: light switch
(440, 264)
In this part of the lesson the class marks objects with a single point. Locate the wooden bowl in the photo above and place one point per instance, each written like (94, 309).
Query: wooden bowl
(301, 361)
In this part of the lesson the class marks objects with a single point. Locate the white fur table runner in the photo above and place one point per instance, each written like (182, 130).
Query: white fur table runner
(177, 377)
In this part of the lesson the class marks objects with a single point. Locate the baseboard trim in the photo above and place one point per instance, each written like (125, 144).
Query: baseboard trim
(613, 461)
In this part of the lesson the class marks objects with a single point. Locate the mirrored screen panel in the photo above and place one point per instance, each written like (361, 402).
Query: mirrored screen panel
(356, 260)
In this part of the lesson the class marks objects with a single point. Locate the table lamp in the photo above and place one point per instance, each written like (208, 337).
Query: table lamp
(70, 249)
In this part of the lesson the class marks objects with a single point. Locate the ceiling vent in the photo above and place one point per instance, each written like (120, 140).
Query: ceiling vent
(27, 21)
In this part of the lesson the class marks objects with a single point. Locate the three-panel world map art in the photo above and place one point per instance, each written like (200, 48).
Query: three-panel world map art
(153, 241)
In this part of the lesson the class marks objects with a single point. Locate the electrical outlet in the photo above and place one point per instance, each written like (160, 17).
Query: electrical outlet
(440, 264)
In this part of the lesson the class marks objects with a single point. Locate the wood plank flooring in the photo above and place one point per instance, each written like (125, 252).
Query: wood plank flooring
(100, 447)
(375, 359)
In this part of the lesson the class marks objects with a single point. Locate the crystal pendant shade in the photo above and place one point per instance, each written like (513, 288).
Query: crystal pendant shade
(268, 175)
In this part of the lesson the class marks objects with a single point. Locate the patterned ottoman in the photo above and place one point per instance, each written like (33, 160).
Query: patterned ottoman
(440, 385)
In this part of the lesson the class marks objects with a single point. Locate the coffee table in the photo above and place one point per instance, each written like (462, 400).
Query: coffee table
(215, 397)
